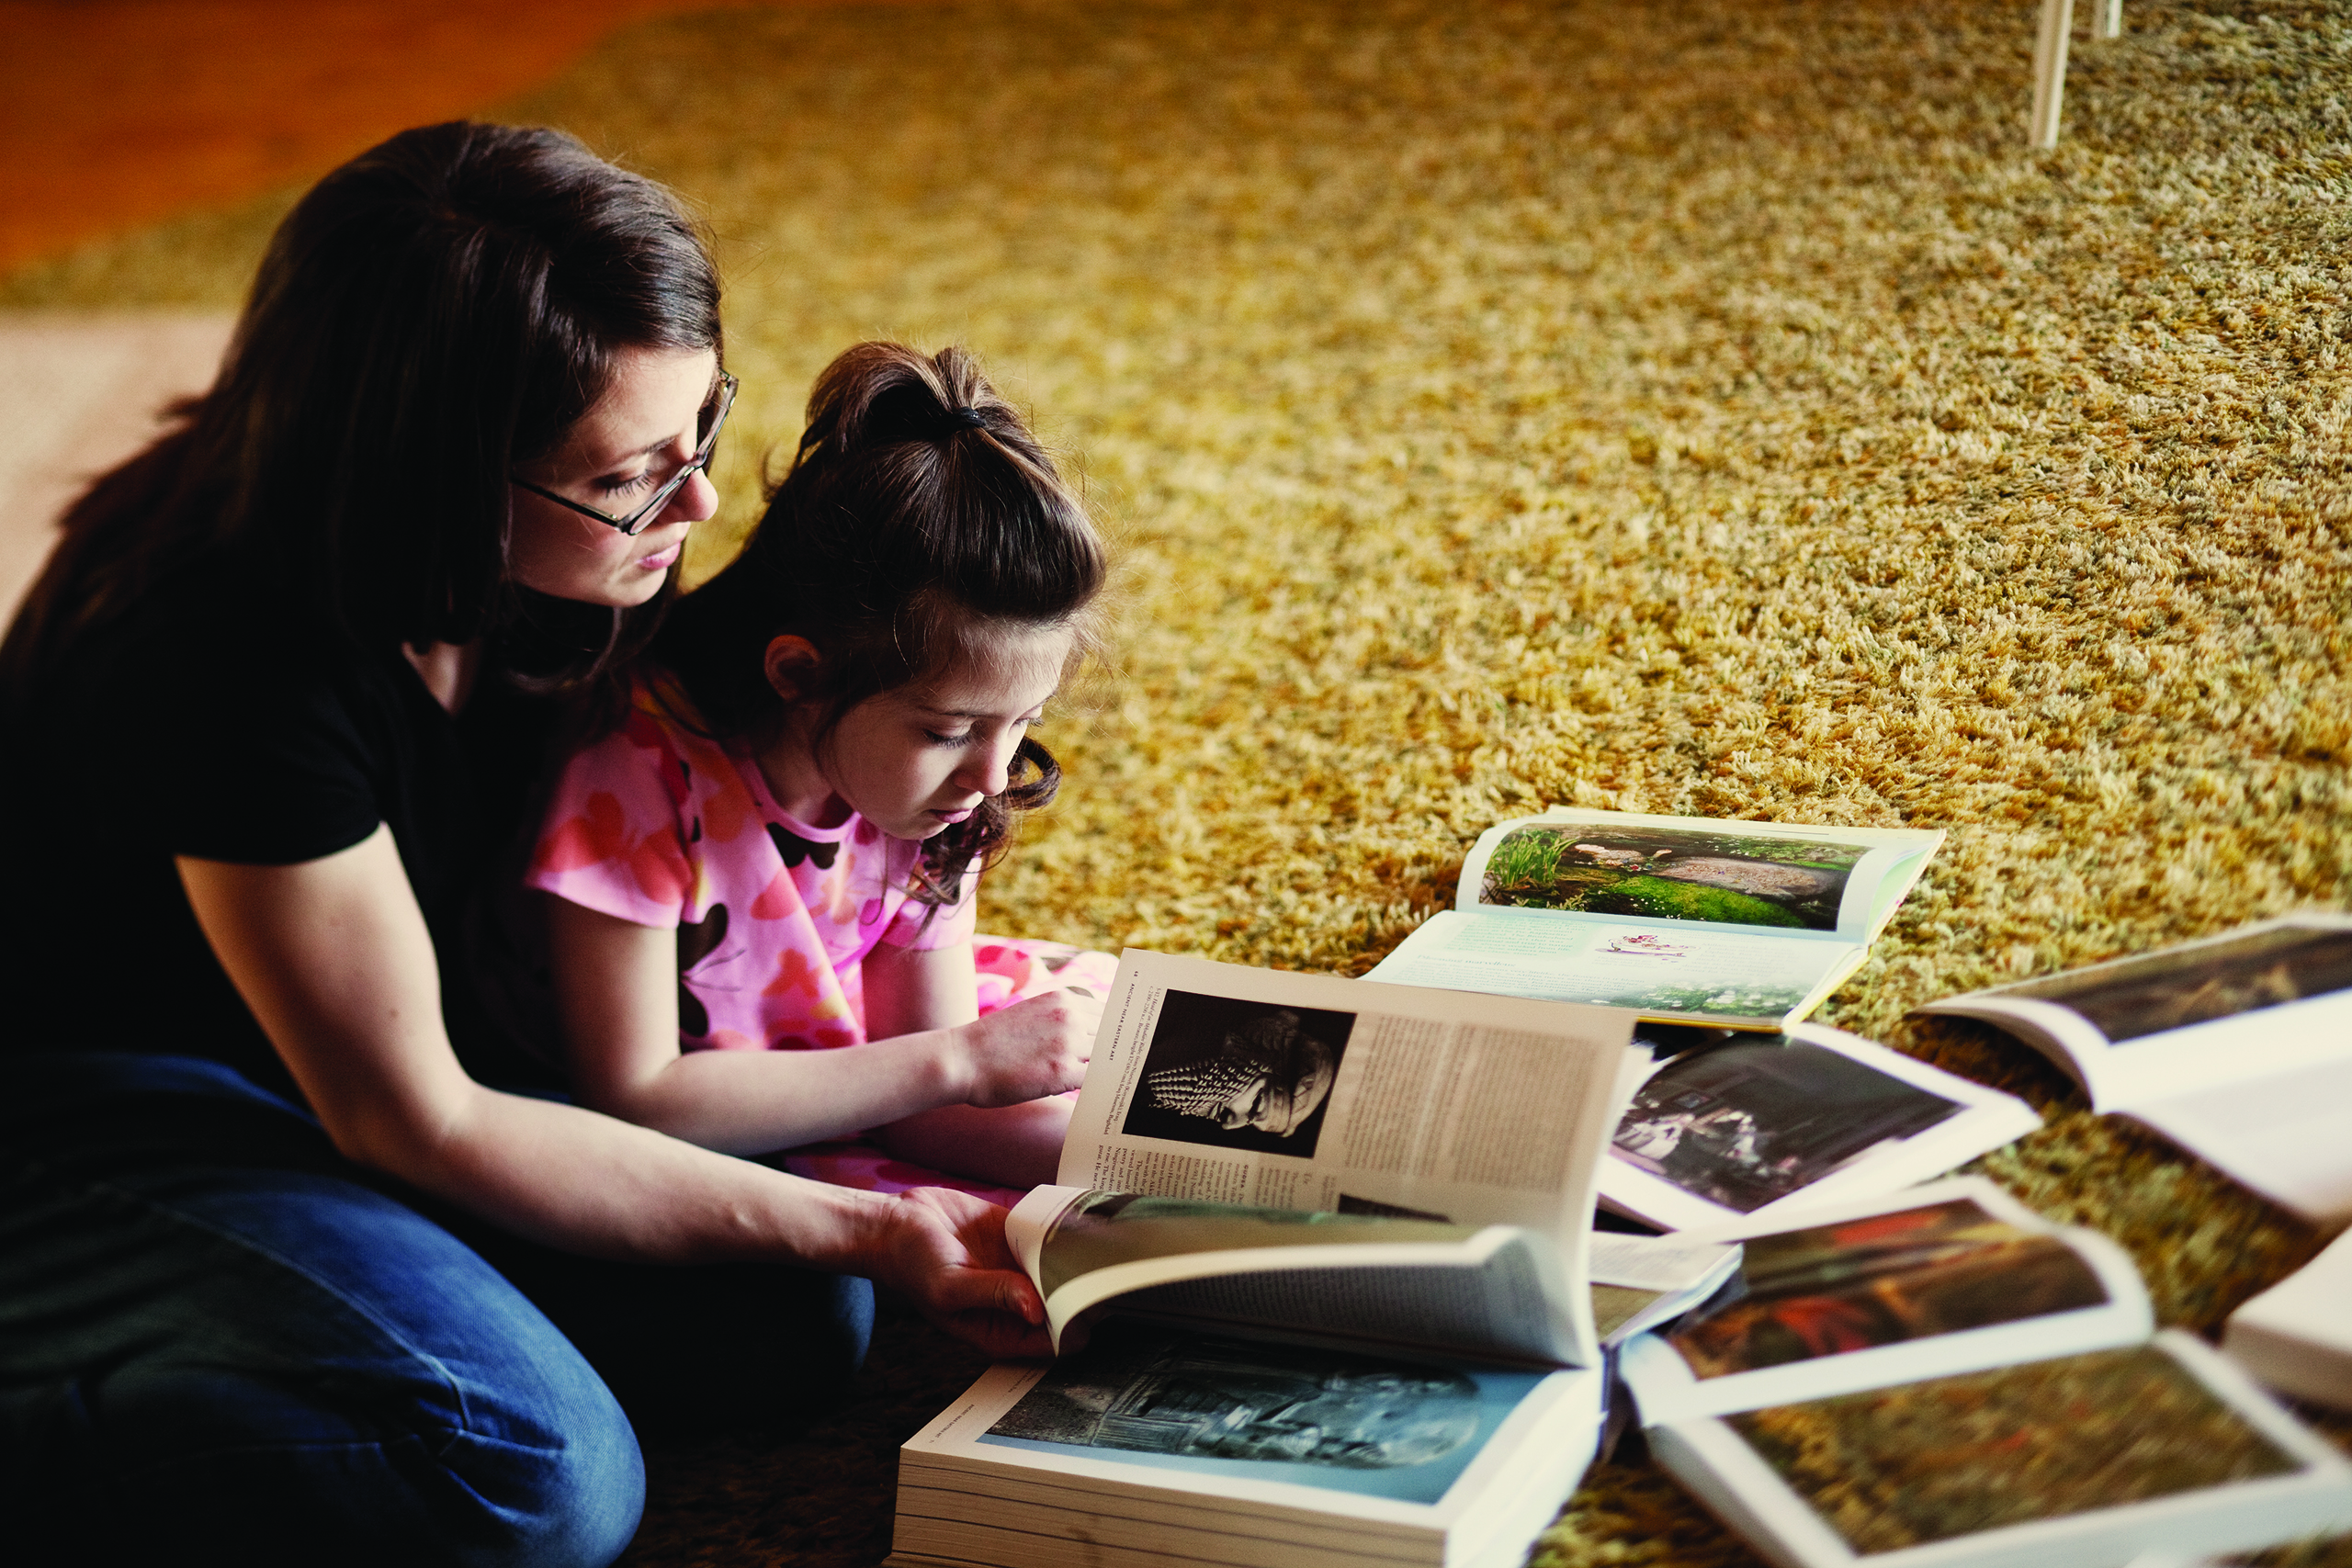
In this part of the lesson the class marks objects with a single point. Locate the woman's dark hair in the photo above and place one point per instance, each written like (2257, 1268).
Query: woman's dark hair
(919, 519)
(433, 313)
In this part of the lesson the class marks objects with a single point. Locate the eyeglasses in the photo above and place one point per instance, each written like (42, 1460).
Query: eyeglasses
(712, 418)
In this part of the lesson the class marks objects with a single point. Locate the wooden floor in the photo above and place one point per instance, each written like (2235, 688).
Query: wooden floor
(122, 112)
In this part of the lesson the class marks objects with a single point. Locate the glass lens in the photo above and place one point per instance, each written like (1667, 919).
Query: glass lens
(706, 428)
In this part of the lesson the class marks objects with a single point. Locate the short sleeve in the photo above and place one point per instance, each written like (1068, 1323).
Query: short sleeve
(272, 760)
(923, 927)
(616, 835)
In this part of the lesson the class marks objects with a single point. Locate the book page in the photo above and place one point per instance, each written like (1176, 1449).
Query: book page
(1491, 1292)
(1764, 875)
(1300, 1448)
(1654, 968)
(2267, 998)
(2286, 1134)
(2086, 1458)
(1761, 1125)
(1310, 1093)
(2296, 1336)
(1939, 1279)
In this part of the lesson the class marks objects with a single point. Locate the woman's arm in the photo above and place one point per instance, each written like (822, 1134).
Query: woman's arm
(333, 959)
(616, 990)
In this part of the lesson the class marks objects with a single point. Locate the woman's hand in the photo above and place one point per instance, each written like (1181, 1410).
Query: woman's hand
(1031, 1049)
(946, 1251)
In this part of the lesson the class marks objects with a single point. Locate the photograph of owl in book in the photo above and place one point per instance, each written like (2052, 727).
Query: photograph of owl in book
(1678, 874)
(1882, 1281)
(1238, 1074)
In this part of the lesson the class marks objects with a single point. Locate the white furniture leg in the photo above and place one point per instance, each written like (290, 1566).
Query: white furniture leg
(2050, 68)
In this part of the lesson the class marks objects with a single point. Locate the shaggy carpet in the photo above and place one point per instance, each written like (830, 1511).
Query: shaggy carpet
(1699, 407)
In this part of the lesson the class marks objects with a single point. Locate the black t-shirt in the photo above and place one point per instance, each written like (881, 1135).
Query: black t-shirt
(213, 724)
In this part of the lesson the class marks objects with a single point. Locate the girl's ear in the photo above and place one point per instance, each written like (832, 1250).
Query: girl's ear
(791, 665)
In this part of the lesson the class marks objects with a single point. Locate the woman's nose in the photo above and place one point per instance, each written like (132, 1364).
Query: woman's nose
(697, 498)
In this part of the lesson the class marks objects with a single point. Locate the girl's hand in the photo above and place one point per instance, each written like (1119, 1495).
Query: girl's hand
(946, 1251)
(1031, 1049)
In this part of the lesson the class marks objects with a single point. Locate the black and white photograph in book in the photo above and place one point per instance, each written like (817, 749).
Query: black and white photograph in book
(2200, 984)
(1238, 1074)
(1751, 1120)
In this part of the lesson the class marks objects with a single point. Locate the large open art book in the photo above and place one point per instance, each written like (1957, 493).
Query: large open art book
(1754, 1126)
(1944, 1378)
(1327, 1245)
(2238, 1048)
(1748, 925)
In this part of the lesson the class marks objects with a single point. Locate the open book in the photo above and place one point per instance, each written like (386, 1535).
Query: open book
(1346, 1230)
(2238, 1048)
(1748, 925)
(1755, 1126)
(1944, 1378)
(2297, 1336)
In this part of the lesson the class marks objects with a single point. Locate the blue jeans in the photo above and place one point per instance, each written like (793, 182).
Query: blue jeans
(220, 1341)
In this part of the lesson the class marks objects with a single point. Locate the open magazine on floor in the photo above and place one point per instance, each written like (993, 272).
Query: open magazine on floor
(1329, 1246)
(1748, 925)
(1750, 1127)
(1942, 1377)
(2237, 1047)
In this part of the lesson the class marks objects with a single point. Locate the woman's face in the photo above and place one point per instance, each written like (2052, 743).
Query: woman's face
(641, 432)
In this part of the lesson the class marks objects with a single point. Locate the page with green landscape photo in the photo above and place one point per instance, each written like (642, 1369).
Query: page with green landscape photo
(1691, 920)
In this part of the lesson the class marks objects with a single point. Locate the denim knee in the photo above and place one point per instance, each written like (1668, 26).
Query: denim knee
(273, 1366)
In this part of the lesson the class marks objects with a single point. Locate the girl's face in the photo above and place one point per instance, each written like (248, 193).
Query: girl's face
(915, 761)
(640, 433)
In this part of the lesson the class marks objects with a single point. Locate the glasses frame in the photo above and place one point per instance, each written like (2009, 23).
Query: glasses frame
(634, 524)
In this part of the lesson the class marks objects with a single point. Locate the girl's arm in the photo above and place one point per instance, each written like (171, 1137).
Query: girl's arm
(911, 989)
(616, 990)
(333, 959)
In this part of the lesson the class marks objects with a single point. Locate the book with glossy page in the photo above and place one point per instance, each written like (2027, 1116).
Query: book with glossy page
(1320, 1277)
(1944, 1378)
(1691, 920)
(2237, 1047)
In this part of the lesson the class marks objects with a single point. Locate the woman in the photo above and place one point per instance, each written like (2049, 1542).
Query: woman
(282, 1270)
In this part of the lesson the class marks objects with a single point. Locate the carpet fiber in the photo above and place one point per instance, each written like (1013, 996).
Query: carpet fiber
(1697, 408)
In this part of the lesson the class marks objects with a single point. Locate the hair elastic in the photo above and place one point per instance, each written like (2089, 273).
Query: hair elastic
(970, 418)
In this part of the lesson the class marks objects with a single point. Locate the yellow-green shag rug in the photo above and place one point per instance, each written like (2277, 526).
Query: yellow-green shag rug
(1709, 408)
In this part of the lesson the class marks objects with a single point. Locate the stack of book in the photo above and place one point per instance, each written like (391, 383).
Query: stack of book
(1325, 1287)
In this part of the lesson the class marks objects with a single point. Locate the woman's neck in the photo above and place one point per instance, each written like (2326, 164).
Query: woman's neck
(447, 670)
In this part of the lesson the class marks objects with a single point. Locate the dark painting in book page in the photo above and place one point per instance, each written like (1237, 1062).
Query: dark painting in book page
(1923, 1463)
(1389, 1428)
(2203, 983)
(1746, 1123)
(1884, 1279)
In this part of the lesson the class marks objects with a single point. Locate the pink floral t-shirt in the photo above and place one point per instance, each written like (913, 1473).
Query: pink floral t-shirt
(660, 826)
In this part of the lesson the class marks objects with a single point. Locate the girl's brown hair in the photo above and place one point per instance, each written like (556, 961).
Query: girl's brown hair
(919, 517)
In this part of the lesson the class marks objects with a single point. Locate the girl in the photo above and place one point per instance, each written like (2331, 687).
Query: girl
(287, 1272)
(760, 933)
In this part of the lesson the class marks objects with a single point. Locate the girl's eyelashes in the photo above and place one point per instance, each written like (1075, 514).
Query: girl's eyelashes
(968, 736)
